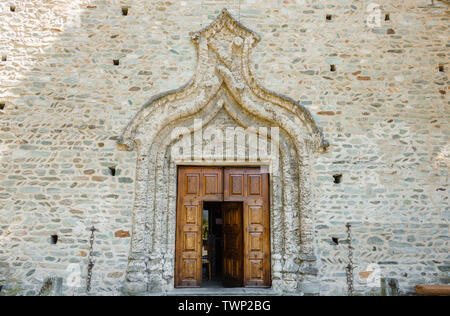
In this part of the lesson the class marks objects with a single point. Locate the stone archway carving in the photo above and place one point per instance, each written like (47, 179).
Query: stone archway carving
(223, 92)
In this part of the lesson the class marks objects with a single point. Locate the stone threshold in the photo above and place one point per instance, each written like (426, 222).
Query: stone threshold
(221, 292)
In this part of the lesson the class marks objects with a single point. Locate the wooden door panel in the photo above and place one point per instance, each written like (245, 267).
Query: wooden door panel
(190, 243)
(256, 250)
(189, 247)
(191, 214)
(256, 242)
(252, 187)
(256, 215)
(256, 271)
(212, 184)
(194, 186)
(234, 188)
(189, 266)
(233, 244)
(246, 224)
(237, 185)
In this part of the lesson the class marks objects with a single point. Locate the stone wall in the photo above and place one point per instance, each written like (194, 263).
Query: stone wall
(63, 105)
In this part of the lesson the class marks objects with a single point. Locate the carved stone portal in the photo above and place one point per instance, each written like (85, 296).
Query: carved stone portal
(222, 94)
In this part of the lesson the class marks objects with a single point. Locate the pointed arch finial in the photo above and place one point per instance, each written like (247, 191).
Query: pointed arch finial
(225, 18)
(223, 50)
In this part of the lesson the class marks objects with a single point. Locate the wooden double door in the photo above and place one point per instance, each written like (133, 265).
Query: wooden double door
(246, 224)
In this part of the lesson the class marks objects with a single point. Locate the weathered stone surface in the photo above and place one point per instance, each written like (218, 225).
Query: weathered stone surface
(63, 105)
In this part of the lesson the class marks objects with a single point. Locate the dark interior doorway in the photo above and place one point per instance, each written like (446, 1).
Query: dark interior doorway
(222, 244)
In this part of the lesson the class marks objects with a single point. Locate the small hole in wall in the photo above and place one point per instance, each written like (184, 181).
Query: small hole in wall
(337, 178)
(335, 240)
(387, 17)
(54, 239)
(1, 288)
(116, 62)
(4, 58)
(12, 8)
(333, 68)
(124, 11)
(441, 68)
(2, 105)
(112, 171)
(329, 17)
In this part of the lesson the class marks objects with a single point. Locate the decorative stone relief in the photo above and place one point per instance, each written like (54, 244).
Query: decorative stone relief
(223, 93)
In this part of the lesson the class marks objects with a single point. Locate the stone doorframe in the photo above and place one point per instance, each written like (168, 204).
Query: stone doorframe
(222, 92)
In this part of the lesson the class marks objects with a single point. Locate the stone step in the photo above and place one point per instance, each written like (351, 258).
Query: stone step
(223, 292)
